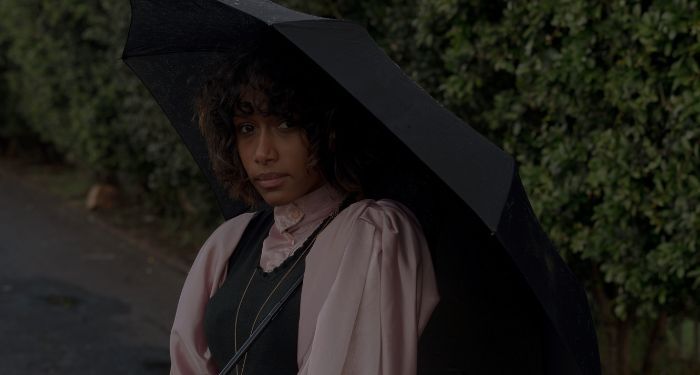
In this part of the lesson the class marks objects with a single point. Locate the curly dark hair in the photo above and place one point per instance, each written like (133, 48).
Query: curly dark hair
(294, 88)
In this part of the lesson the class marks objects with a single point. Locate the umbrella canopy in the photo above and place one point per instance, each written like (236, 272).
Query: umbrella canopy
(508, 299)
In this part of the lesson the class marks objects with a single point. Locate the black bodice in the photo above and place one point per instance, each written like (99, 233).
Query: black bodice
(253, 292)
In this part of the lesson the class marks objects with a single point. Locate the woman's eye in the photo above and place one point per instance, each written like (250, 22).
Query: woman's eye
(245, 128)
(287, 125)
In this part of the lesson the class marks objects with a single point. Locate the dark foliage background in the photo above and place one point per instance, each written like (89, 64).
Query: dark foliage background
(67, 87)
(599, 102)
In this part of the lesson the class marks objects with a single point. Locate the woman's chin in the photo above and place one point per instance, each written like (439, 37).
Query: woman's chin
(277, 198)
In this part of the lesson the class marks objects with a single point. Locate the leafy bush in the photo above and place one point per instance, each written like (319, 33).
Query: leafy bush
(599, 103)
(71, 88)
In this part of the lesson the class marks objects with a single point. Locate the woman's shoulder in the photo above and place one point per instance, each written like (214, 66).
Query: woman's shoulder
(226, 233)
(232, 225)
(383, 213)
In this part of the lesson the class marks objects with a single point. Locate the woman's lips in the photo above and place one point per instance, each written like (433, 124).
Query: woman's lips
(270, 180)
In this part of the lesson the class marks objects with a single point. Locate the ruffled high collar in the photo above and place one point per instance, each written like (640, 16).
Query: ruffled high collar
(310, 208)
(294, 222)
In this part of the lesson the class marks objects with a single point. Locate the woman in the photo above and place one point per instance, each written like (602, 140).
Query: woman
(279, 132)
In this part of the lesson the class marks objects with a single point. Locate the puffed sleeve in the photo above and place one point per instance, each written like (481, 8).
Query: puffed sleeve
(189, 352)
(381, 297)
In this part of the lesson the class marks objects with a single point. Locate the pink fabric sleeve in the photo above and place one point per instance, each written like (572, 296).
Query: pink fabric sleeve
(189, 353)
(382, 294)
(406, 278)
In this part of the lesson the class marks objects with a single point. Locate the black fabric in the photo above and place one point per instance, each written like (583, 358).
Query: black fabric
(274, 352)
(483, 299)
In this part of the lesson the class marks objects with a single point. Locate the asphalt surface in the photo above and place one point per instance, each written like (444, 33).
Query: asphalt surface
(76, 297)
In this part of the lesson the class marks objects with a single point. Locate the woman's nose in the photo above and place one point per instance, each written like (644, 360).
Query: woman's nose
(265, 150)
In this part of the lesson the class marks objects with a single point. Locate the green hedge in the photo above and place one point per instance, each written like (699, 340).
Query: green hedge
(63, 70)
(600, 104)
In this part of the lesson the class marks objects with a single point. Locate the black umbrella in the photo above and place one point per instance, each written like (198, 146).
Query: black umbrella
(509, 303)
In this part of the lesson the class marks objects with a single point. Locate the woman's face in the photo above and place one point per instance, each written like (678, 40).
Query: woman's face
(276, 157)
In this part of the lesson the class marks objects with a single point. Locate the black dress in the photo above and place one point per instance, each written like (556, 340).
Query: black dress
(245, 298)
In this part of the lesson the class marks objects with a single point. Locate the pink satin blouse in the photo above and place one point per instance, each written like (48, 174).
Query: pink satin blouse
(368, 291)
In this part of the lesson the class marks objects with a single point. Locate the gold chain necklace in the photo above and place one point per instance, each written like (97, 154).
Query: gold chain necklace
(305, 248)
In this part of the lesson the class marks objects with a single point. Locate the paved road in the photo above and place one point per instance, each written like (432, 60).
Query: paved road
(75, 297)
